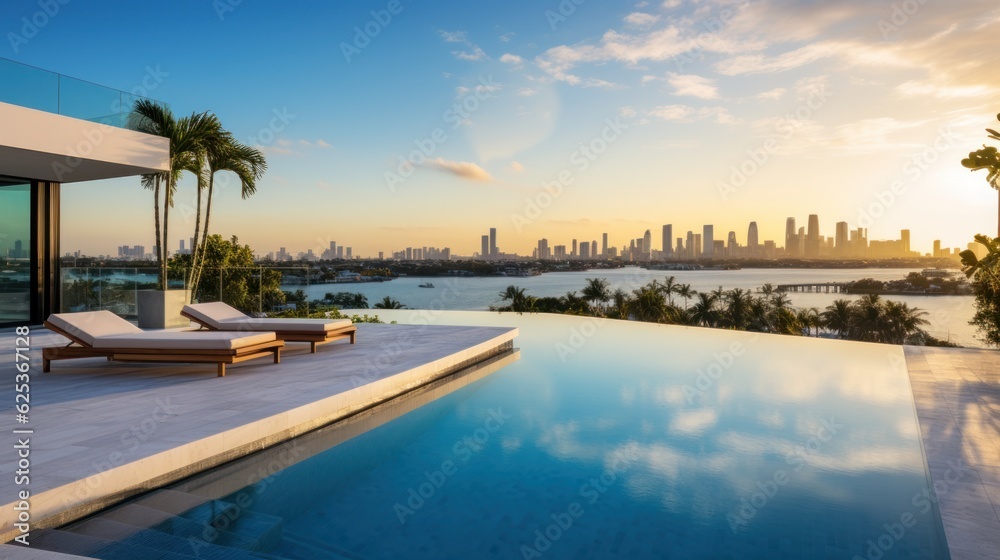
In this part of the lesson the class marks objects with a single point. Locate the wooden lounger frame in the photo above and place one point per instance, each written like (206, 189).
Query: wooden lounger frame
(313, 338)
(195, 356)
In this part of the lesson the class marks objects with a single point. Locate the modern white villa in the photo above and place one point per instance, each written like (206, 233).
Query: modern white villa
(55, 130)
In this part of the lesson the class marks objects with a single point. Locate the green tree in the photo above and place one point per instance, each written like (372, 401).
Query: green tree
(988, 159)
(389, 303)
(519, 303)
(597, 292)
(837, 317)
(985, 275)
(686, 292)
(234, 277)
(705, 312)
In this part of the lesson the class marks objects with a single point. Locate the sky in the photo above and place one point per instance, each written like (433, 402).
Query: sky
(395, 123)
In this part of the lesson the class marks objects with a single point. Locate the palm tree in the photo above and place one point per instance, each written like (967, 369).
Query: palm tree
(620, 302)
(669, 288)
(597, 291)
(837, 317)
(704, 311)
(685, 291)
(188, 137)
(518, 301)
(903, 321)
(575, 304)
(649, 305)
(988, 159)
(738, 309)
(224, 153)
(809, 318)
(868, 322)
(389, 303)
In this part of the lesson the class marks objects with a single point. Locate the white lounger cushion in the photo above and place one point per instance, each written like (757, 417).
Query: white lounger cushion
(104, 329)
(172, 340)
(222, 317)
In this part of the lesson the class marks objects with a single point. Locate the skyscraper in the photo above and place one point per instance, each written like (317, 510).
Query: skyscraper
(585, 250)
(791, 238)
(753, 241)
(604, 247)
(484, 253)
(937, 248)
(690, 245)
(493, 243)
(647, 245)
(904, 235)
(668, 237)
(708, 240)
(842, 241)
(812, 238)
(731, 245)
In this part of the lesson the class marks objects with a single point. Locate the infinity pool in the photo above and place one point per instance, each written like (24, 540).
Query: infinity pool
(615, 440)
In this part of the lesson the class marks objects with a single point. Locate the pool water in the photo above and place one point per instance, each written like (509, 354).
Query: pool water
(621, 440)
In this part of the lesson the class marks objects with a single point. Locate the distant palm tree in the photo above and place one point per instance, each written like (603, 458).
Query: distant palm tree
(809, 319)
(704, 311)
(575, 304)
(989, 159)
(904, 321)
(686, 292)
(389, 303)
(669, 288)
(597, 292)
(518, 301)
(837, 317)
(620, 302)
(649, 305)
(738, 309)
(868, 322)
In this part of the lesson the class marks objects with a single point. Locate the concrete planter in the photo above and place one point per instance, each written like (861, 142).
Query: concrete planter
(159, 309)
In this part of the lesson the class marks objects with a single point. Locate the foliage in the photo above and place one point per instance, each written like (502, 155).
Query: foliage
(347, 300)
(987, 158)
(985, 274)
(389, 303)
(327, 313)
(232, 277)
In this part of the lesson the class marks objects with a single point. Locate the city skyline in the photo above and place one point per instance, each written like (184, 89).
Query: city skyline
(807, 242)
(597, 120)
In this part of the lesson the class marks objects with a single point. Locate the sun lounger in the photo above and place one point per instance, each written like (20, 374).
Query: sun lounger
(218, 316)
(104, 334)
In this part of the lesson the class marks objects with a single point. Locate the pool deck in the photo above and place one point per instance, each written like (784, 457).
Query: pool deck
(957, 395)
(104, 431)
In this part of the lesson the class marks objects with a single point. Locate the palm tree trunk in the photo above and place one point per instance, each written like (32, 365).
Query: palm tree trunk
(194, 246)
(167, 200)
(156, 219)
(203, 243)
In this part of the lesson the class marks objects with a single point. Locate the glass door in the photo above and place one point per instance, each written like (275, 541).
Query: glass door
(15, 252)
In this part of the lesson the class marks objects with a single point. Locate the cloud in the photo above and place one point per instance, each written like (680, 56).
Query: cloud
(685, 113)
(463, 169)
(527, 92)
(506, 37)
(914, 88)
(511, 59)
(516, 167)
(695, 86)
(323, 143)
(772, 94)
(640, 19)
(475, 54)
(452, 36)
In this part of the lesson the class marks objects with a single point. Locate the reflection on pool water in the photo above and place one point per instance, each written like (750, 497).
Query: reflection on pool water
(623, 440)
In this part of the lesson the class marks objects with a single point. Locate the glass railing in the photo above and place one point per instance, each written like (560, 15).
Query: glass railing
(255, 290)
(39, 89)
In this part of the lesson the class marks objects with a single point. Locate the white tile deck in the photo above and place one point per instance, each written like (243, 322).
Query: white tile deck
(106, 430)
(957, 395)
